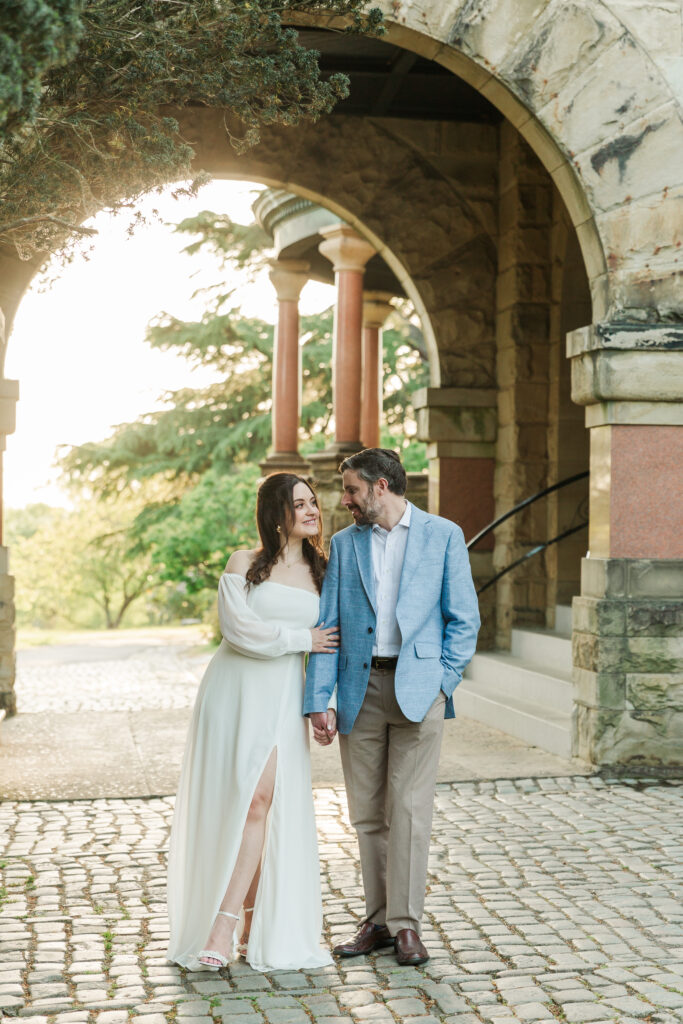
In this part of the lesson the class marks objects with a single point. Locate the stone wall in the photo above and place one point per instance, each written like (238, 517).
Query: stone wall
(524, 300)
(658, 28)
(568, 439)
(8, 703)
(628, 662)
(436, 229)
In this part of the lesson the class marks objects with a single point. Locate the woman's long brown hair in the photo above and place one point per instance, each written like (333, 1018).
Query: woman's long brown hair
(275, 508)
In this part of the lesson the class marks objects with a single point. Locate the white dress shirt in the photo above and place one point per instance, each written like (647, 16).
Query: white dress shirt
(388, 554)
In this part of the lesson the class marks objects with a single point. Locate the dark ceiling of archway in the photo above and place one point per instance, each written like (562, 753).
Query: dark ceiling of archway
(388, 81)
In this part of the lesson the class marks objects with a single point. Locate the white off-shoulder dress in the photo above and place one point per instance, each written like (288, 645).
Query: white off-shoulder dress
(249, 703)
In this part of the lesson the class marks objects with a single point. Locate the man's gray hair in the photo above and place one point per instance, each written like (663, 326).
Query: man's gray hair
(374, 463)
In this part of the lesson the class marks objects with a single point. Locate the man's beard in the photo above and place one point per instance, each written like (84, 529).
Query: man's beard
(369, 514)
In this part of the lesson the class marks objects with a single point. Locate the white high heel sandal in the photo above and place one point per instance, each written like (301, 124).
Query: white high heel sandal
(213, 953)
(242, 946)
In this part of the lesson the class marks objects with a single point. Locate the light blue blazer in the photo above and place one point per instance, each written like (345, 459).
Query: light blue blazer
(437, 612)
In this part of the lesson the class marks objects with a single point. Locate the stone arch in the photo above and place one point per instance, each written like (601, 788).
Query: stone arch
(344, 169)
(562, 74)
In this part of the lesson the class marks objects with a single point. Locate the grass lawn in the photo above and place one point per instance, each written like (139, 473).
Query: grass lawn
(197, 636)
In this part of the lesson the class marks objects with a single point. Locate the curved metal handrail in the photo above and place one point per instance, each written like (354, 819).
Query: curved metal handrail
(523, 504)
(538, 547)
(534, 551)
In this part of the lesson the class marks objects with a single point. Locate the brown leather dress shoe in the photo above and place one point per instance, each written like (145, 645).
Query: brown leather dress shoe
(368, 937)
(409, 949)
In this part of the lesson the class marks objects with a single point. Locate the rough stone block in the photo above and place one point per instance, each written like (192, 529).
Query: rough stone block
(632, 578)
(633, 163)
(591, 725)
(656, 654)
(523, 282)
(523, 404)
(632, 739)
(599, 689)
(566, 42)
(651, 691)
(527, 245)
(464, 423)
(581, 121)
(610, 375)
(508, 22)
(606, 618)
(623, 654)
(644, 238)
(653, 618)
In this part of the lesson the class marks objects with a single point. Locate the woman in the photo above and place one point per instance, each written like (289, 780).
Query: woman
(247, 757)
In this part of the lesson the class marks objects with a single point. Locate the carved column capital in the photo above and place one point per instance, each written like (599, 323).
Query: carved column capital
(377, 309)
(288, 277)
(344, 248)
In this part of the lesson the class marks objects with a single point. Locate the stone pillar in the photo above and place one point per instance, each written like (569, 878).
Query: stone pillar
(523, 308)
(9, 394)
(288, 278)
(628, 621)
(348, 253)
(568, 439)
(459, 428)
(376, 309)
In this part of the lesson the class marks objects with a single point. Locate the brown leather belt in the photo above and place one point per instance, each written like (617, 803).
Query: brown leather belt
(383, 663)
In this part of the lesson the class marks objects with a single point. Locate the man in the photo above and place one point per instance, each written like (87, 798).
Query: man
(399, 585)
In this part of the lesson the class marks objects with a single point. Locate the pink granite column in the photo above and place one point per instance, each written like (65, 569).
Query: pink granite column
(348, 253)
(288, 278)
(376, 309)
(636, 491)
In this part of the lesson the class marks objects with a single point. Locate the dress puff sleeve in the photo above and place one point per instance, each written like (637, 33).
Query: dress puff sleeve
(249, 634)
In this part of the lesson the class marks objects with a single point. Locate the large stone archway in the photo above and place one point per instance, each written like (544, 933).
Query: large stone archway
(465, 215)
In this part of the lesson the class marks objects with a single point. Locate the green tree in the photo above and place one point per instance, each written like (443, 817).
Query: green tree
(34, 37)
(77, 567)
(85, 90)
(193, 462)
(192, 538)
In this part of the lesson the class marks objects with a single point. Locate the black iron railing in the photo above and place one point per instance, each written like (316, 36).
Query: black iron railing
(538, 547)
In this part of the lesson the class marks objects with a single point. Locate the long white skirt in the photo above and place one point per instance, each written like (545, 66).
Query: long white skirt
(245, 708)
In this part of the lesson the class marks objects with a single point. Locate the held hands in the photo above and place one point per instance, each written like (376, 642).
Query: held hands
(325, 640)
(324, 726)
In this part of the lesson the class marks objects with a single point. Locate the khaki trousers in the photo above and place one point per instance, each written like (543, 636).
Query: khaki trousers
(390, 766)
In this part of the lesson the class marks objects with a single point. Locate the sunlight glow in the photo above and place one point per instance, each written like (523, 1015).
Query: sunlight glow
(78, 349)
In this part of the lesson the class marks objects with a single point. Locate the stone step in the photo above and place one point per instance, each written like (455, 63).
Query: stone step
(535, 724)
(525, 699)
(548, 651)
(523, 680)
(563, 619)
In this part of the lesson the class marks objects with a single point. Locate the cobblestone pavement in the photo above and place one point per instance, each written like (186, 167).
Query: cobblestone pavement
(550, 899)
(106, 715)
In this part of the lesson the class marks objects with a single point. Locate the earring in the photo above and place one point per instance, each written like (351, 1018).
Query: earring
(278, 528)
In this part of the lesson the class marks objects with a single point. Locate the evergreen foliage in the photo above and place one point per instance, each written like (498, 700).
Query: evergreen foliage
(87, 91)
(193, 464)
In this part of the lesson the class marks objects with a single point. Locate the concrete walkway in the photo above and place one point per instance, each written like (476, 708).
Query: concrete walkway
(107, 717)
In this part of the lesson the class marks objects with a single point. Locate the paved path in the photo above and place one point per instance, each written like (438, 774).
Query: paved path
(554, 896)
(551, 899)
(107, 716)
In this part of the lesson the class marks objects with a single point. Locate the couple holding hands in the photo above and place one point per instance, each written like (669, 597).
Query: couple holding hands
(398, 620)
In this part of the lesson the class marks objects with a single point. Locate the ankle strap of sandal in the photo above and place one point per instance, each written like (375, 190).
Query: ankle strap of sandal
(226, 913)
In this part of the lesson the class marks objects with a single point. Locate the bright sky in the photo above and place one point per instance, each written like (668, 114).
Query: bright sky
(77, 350)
